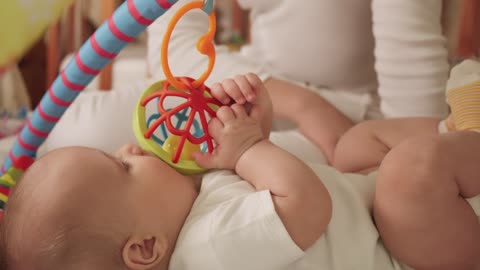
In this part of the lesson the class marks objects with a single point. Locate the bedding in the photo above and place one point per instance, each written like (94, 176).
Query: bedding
(103, 120)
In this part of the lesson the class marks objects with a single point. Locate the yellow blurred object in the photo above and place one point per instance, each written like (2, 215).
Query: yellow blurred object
(23, 22)
(171, 144)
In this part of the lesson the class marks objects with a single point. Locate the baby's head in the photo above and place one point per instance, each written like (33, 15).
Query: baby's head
(79, 208)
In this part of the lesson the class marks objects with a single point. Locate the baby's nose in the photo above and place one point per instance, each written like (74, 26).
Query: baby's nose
(134, 150)
(129, 149)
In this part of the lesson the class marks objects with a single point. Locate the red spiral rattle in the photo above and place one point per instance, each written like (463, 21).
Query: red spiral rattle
(171, 117)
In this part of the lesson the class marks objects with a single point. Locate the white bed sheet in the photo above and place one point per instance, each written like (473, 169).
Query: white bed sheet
(291, 140)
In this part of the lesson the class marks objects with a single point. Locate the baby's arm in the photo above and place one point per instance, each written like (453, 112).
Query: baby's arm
(301, 200)
(317, 120)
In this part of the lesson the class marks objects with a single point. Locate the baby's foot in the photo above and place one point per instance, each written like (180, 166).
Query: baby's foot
(463, 96)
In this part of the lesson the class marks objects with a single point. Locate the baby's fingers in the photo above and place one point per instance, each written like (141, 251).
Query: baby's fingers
(205, 160)
(219, 93)
(245, 87)
(256, 84)
(215, 127)
(233, 90)
(225, 114)
(239, 110)
(254, 80)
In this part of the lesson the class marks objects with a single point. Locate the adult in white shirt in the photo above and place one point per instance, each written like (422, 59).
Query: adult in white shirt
(366, 58)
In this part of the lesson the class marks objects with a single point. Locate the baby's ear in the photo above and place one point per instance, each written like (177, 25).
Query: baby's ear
(144, 252)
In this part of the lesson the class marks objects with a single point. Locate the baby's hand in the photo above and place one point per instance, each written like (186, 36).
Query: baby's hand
(239, 90)
(247, 90)
(235, 132)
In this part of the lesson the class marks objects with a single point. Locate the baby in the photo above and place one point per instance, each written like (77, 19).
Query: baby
(79, 208)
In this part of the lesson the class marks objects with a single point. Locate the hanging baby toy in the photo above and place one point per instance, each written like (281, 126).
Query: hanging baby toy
(177, 124)
(128, 21)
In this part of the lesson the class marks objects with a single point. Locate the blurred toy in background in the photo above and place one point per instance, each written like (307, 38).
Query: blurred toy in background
(30, 18)
(14, 102)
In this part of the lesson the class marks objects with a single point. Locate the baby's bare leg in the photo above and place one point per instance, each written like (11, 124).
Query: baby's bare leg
(364, 146)
(420, 207)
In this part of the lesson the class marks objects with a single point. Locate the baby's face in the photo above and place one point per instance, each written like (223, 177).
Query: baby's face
(131, 179)
(131, 192)
(155, 186)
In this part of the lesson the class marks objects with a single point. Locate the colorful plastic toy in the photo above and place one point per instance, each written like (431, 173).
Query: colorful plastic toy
(176, 129)
(174, 132)
(30, 18)
(9, 179)
(128, 21)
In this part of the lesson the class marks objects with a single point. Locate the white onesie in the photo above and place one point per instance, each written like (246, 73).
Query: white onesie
(233, 227)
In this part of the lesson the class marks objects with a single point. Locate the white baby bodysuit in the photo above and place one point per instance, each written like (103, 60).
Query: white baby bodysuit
(233, 227)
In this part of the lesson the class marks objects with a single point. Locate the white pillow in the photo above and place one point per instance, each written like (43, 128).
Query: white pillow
(103, 120)
(97, 119)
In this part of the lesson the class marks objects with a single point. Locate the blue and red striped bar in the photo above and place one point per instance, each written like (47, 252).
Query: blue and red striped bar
(128, 21)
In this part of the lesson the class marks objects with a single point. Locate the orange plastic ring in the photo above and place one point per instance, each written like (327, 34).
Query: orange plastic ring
(204, 46)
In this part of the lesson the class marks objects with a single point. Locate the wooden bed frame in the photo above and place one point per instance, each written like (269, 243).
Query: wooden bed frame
(73, 40)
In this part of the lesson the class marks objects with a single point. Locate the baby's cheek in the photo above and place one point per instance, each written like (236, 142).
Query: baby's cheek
(152, 167)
